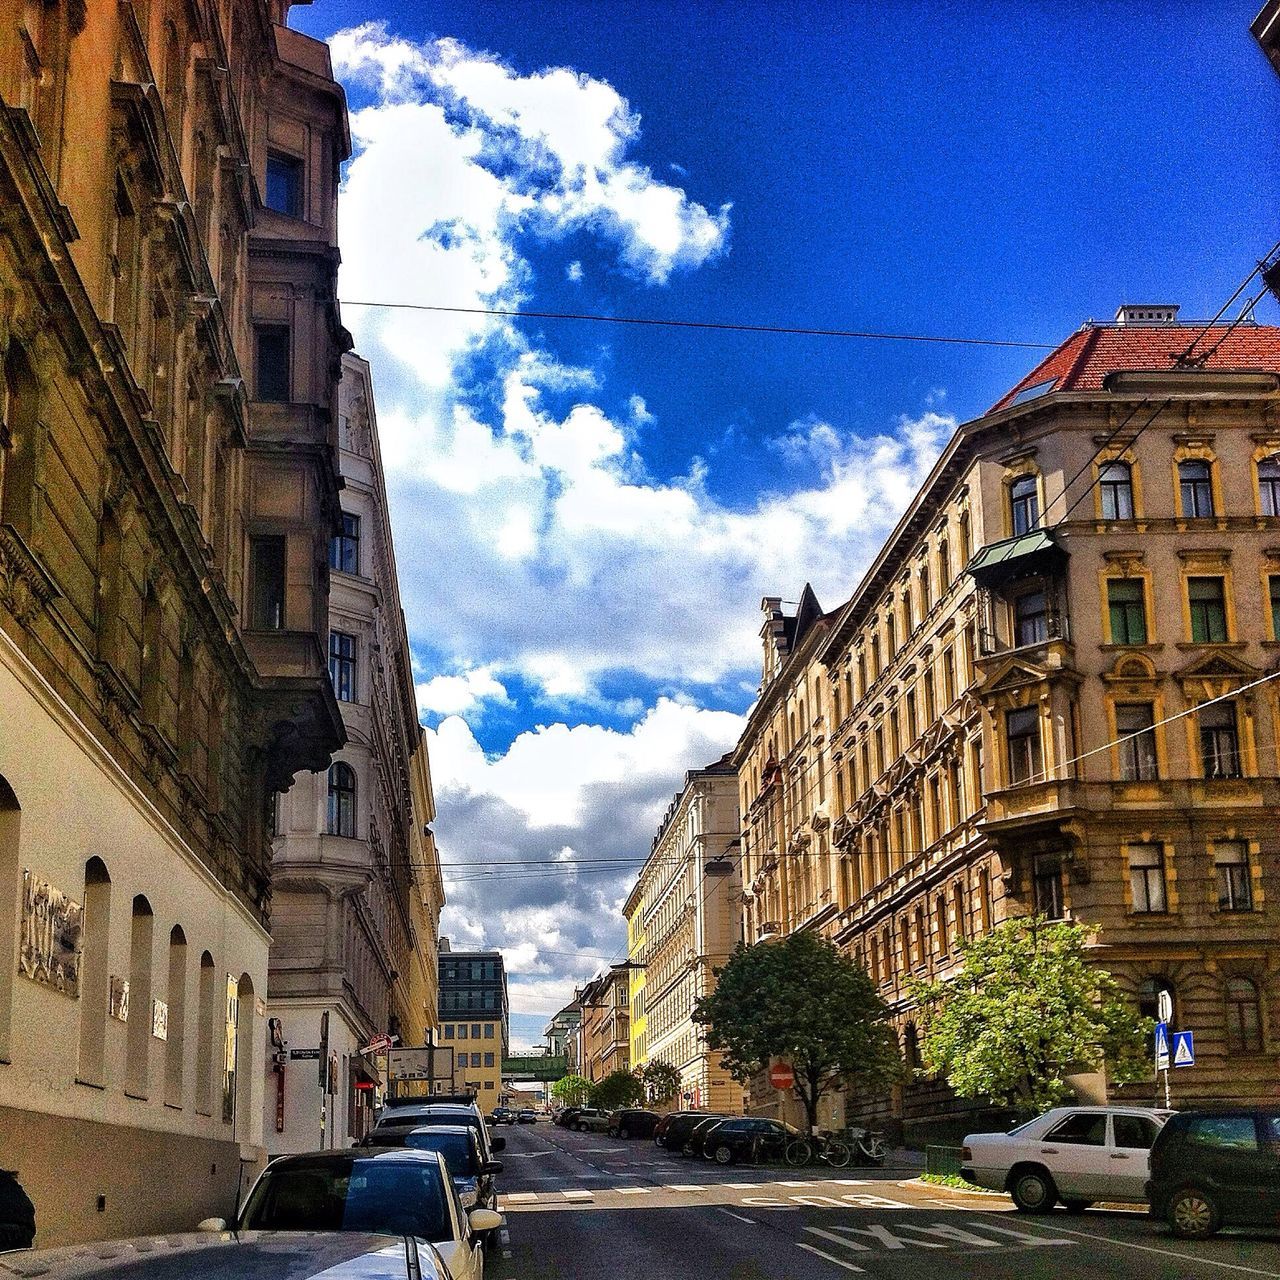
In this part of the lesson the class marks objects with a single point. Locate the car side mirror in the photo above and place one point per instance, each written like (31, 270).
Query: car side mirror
(212, 1224)
(498, 1144)
(491, 1166)
(482, 1220)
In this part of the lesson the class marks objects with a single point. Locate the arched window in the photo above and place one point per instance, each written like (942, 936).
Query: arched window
(138, 1040)
(207, 1021)
(1149, 992)
(911, 1047)
(95, 979)
(1195, 485)
(175, 1045)
(245, 1042)
(1115, 488)
(10, 820)
(342, 800)
(19, 422)
(1244, 1016)
(1024, 505)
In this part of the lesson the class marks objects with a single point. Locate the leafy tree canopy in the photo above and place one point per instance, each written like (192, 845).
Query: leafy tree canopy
(660, 1079)
(573, 1091)
(802, 1000)
(617, 1089)
(1027, 1009)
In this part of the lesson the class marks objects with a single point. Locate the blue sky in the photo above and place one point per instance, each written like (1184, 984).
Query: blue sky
(587, 515)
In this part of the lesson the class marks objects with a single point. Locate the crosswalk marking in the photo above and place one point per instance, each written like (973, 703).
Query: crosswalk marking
(684, 1186)
(578, 1195)
(520, 1197)
(633, 1191)
(797, 1184)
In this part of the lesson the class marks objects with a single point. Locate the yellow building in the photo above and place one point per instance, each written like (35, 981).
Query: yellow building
(633, 911)
(474, 1019)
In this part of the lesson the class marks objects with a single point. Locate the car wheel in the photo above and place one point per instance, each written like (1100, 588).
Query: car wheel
(1032, 1189)
(723, 1154)
(1193, 1214)
(1076, 1206)
(623, 1133)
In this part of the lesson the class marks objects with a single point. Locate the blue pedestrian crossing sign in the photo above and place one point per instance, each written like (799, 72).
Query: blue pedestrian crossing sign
(1162, 1046)
(1184, 1049)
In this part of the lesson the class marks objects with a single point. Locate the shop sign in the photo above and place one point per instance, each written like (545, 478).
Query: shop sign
(118, 1006)
(159, 1019)
(50, 941)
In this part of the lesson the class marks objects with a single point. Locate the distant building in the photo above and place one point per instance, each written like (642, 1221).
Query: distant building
(474, 1019)
(606, 1017)
(683, 916)
(560, 1033)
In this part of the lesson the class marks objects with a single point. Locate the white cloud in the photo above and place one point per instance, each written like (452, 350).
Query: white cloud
(573, 272)
(457, 694)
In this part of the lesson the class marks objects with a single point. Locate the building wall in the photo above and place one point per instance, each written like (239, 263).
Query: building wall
(154, 698)
(474, 1019)
(477, 1056)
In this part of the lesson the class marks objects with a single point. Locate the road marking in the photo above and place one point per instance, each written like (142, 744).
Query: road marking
(578, 1195)
(839, 1262)
(751, 1222)
(852, 1182)
(793, 1184)
(743, 1186)
(632, 1191)
(520, 1197)
(683, 1186)
(1190, 1258)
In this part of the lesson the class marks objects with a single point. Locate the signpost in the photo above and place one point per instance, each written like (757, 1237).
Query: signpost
(1173, 1048)
(1184, 1049)
(782, 1076)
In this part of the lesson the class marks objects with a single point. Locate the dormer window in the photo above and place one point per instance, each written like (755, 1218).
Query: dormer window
(1024, 505)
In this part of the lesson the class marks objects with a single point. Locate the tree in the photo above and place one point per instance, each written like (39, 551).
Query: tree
(618, 1089)
(573, 1091)
(802, 1000)
(1027, 1009)
(660, 1079)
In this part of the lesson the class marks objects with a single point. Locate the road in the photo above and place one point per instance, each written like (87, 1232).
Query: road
(587, 1207)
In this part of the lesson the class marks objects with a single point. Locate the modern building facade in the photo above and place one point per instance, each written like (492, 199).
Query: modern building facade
(1052, 693)
(169, 339)
(357, 882)
(686, 906)
(475, 1019)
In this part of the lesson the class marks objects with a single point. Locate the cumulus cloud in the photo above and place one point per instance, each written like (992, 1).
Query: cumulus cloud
(456, 694)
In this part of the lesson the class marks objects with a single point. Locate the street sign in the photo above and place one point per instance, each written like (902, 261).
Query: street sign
(379, 1044)
(1164, 1006)
(1184, 1049)
(781, 1075)
(295, 1054)
(1162, 1046)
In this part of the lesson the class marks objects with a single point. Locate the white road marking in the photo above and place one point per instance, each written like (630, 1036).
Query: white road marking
(683, 1186)
(1188, 1258)
(852, 1182)
(743, 1186)
(839, 1262)
(578, 1195)
(751, 1222)
(632, 1191)
(887, 1238)
(793, 1184)
(520, 1197)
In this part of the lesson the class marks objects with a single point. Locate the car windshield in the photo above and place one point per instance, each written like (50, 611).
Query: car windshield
(358, 1194)
(457, 1149)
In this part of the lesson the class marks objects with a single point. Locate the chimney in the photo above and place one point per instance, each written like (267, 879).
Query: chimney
(444, 943)
(1147, 313)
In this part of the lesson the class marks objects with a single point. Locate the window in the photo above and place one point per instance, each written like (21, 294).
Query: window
(342, 800)
(1030, 619)
(448, 1031)
(462, 1031)
(488, 1084)
(344, 547)
(272, 347)
(1244, 1016)
(949, 675)
(1269, 486)
(1207, 599)
(1046, 886)
(284, 184)
(926, 591)
(1196, 488)
(1022, 731)
(1231, 867)
(1219, 740)
(342, 665)
(1133, 1133)
(266, 583)
(488, 1030)
(1146, 878)
(488, 1059)
(1024, 505)
(944, 567)
(1115, 486)
(1273, 592)
(1236, 1133)
(1149, 992)
(475, 1031)
(1126, 607)
(1083, 1129)
(1135, 727)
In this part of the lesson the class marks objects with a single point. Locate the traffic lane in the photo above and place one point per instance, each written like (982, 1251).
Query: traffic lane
(533, 1159)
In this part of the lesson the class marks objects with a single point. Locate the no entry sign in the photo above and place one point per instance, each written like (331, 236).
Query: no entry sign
(781, 1076)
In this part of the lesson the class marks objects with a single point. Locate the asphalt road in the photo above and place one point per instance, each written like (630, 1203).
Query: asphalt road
(587, 1207)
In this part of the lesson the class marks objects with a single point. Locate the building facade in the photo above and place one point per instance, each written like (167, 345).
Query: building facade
(357, 883)
(1052, 693)
(169, 337)
(638, 1022)
(475, 1020)
(561, 1035)
(686, 906)
(606, 1024)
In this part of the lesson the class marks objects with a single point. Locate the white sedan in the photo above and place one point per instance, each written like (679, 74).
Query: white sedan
(399, 1192)
(1078, 1155)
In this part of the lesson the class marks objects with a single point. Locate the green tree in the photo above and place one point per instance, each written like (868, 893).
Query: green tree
(572, 1091)
(1027, 1009)
(801, 1000)
(617, 1089)
(660, 1079)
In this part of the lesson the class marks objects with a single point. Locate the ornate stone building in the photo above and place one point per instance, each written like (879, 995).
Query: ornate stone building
(1053, 691)
(356, 877)
(686, 906)
(170, 342)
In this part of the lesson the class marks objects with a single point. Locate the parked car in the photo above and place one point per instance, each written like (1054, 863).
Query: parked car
(426, 1113)
(347, 1255)
(1078, 1155)
(526, 1115)
(472, 1174)
(392, 1192)
(1213, 1169)
(697, 1135)
(633, 1123)
(673, 1130)
(590, 1120)
(566, 1116)
(751, 1138)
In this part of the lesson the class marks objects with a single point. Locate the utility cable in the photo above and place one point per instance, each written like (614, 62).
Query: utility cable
(1185, 356)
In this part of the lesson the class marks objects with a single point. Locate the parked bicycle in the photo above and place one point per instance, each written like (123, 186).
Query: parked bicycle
(867, 1145)
(828, 1147)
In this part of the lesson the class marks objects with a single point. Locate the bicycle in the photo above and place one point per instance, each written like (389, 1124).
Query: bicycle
(799, 1151)
(866, 1145)
(830, 1148)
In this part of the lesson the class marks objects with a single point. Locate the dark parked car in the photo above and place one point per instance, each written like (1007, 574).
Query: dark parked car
(526, 1115)
(301, 1255)
(566, 1117)
(746, 1138)
(472, 1174)
(673, 1131)
(1212, 1169)
(633, 1123)
(697, 1135)
(437, 1113)
(502, 1115)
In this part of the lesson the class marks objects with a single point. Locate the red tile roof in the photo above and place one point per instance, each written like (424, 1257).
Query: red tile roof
(1084, 360)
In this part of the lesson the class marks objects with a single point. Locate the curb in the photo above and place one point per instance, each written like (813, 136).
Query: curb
(951, 1191)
